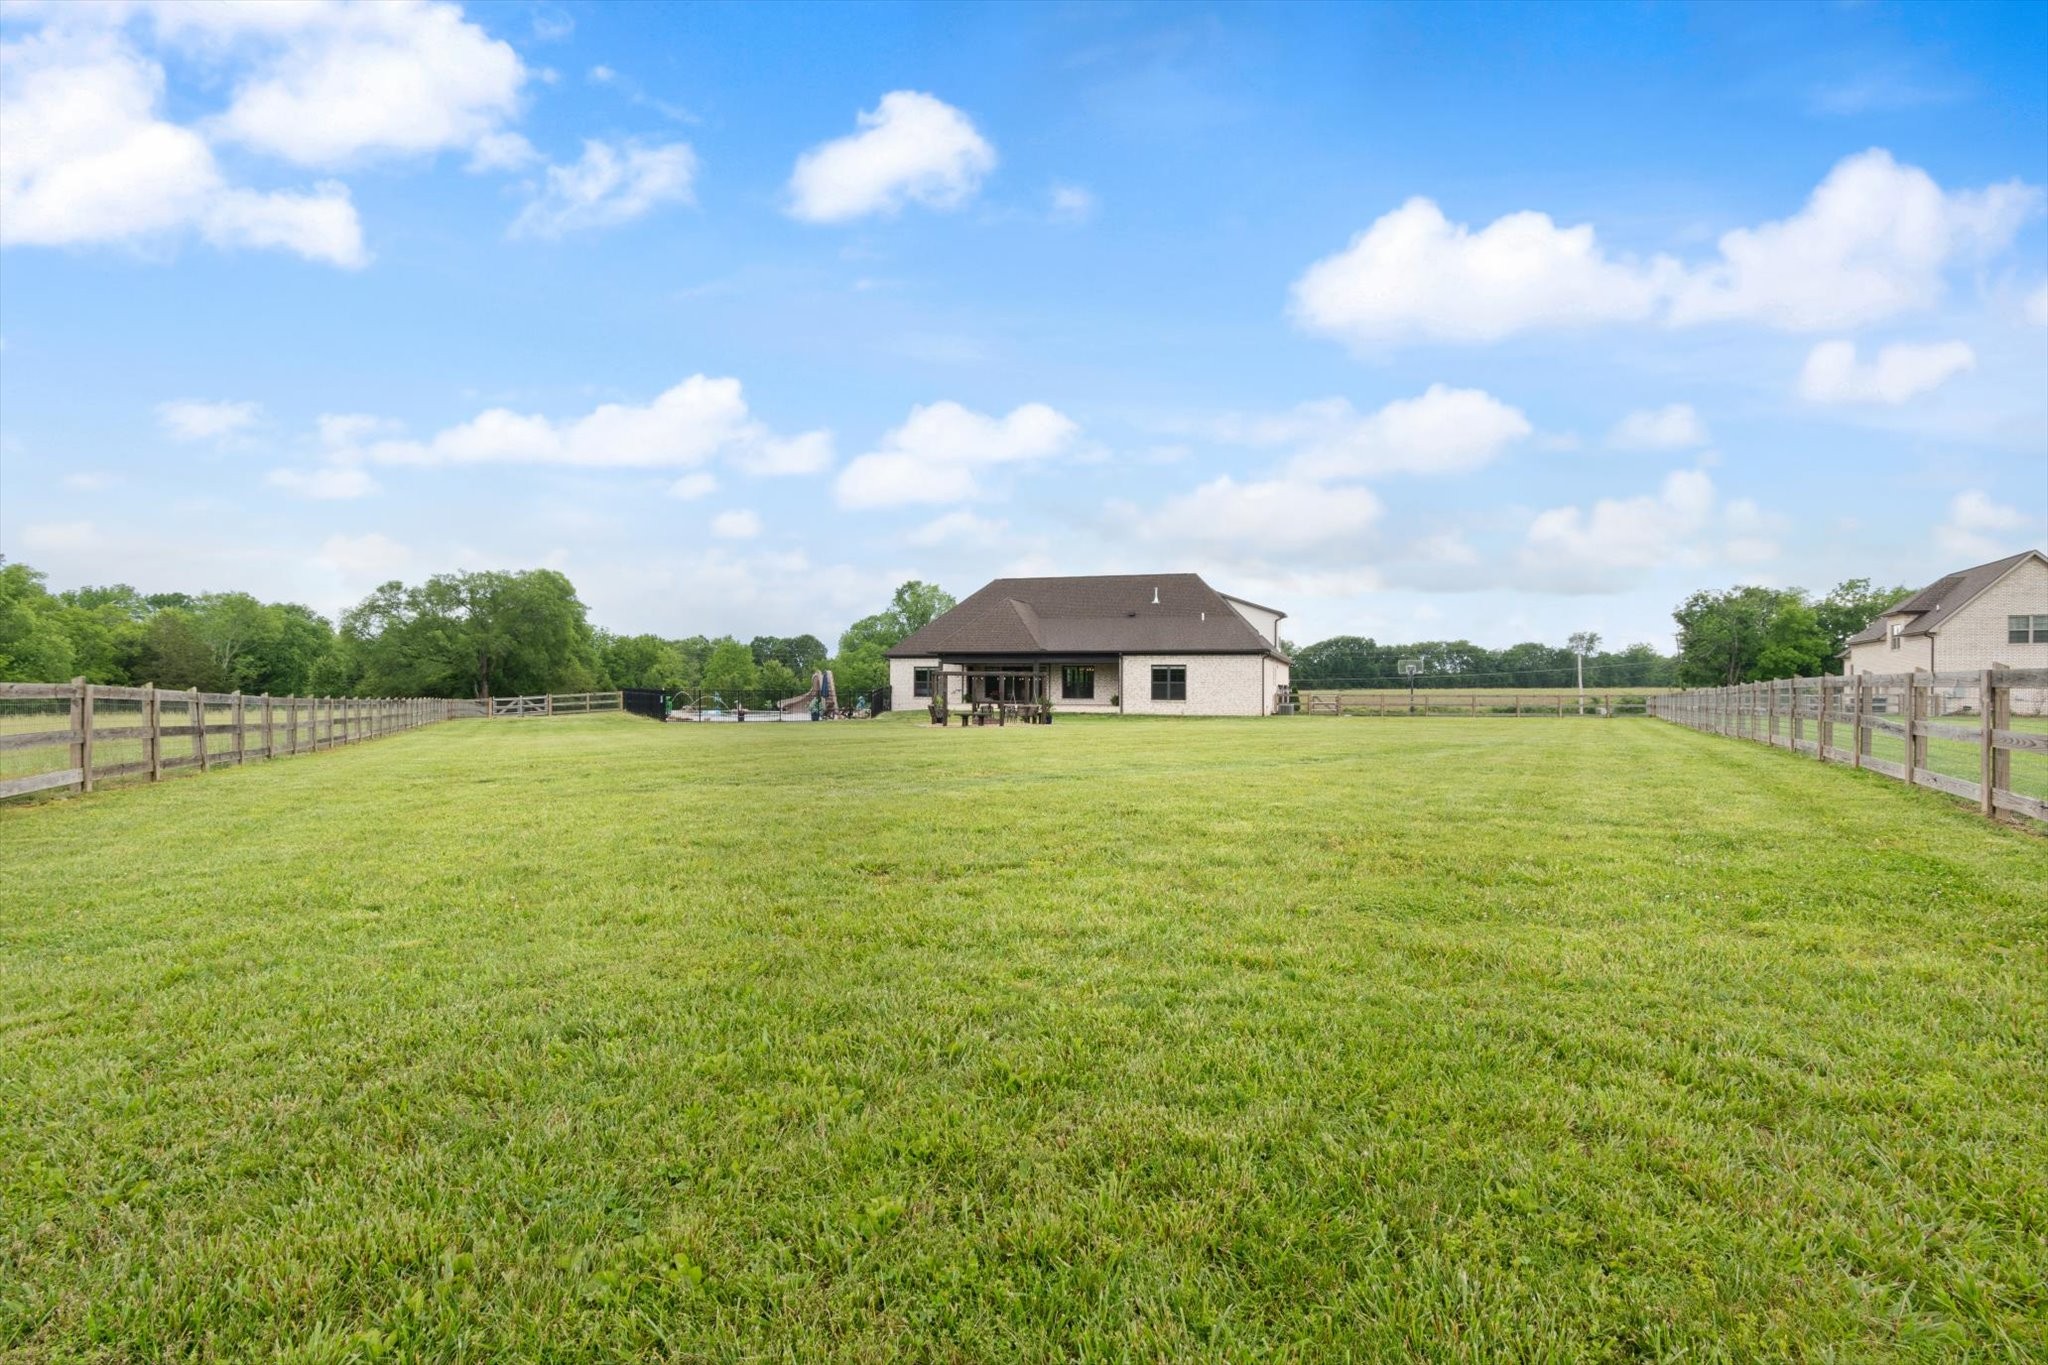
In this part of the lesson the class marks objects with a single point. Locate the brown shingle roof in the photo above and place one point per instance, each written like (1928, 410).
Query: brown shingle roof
(1101, 614)
(1933, 605)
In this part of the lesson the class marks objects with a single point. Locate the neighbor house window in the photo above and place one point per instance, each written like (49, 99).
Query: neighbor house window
(1077, 684)
(920, 682)
(2026, 630)
(1897, 631)
(1170, 682)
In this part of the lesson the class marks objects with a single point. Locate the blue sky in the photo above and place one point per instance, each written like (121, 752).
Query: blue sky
(1417, 322)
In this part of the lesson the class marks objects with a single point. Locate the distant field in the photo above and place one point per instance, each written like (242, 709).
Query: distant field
(593, 1038)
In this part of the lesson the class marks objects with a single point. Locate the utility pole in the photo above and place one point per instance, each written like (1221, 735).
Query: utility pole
(1582, 643)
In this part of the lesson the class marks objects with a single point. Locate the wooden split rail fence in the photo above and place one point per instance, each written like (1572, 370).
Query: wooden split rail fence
(1975, 735)
(73, 735)
(1379, 703)
(559, 704)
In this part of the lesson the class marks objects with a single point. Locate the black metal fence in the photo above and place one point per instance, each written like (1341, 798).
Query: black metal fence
(644, 701)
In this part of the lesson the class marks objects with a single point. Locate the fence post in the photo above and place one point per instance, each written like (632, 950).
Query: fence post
(153, 723)
(198, 719)
(241, 729)
(81, 728)
(1912, 724)
(1825, 731)
(269, 732)
(1987, 755)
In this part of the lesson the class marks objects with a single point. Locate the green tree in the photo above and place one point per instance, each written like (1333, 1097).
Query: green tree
(798, 653)
(730, 674)
(859, 672)
(1721, 634)
(918, 603)
(474, 634)
(779, 682)
(236, 628)
(1794, 644)
(282, 663)
(175, 653)
(34, 646)
(913, 607)
(1852, 605)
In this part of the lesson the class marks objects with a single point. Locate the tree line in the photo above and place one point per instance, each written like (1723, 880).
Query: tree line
(1358, 662)
(1751, 634)
(490, 633)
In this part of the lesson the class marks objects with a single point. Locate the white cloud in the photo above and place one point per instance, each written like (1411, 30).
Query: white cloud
(911, 148)
(693, 486)
(1415, 274)
(1277, 516)
(736, 525)
(344, 429)
(62, 535)
(374, 554)
(698, 420)
(1613, 543)
(809, 453)
(189, 419)
(1899, 372)
(1980, 529)
(934, 455)
(1440, 431)
(1072, 204)
(1673, 427)
(608, 186)
(333, 482)
(2037, 307)
(502, 152)
(333, 84)
(90, 161)
(1875, 239)
(90, 481)
(961, 527)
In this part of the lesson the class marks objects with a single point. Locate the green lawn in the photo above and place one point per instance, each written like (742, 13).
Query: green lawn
(1311, 1039)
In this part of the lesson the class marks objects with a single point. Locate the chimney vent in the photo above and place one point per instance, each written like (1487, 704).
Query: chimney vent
(1155, 596)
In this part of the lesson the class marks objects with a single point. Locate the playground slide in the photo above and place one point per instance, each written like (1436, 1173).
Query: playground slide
(821, 684)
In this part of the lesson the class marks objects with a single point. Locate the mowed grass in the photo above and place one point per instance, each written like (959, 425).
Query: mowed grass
(589, 1039)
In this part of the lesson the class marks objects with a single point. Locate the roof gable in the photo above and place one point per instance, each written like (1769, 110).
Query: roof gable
(1942, 600)
(1098, 614)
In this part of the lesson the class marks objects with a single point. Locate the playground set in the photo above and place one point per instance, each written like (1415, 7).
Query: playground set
(820, 702)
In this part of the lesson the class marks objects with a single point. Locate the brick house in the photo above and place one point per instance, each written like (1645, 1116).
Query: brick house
(1135, 644)
(1992, 616)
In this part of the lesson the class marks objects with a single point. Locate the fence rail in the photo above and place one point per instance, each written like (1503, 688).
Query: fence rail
(77, 734)
(1318, 702)
(1976, 735)
(558, 704)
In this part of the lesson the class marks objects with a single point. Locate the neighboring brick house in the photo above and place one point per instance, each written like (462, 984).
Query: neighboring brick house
(1992, 616)
(1140, 644)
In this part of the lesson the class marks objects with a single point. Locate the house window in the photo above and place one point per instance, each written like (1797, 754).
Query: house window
(920, 682)
(1077, 684)
(1896, 632)
(2026, 630)
(1170, 682)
